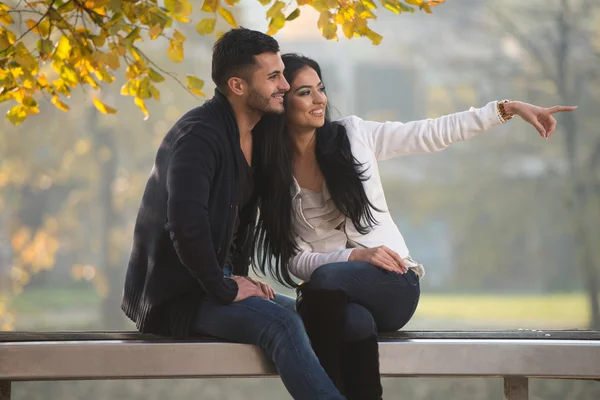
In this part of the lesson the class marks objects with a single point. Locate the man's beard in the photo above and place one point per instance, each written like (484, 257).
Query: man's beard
(261, 104)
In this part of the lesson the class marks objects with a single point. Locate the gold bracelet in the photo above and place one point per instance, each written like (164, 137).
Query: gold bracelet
(502, 113)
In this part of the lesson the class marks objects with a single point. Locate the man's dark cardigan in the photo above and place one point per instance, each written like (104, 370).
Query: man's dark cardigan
(185, 223)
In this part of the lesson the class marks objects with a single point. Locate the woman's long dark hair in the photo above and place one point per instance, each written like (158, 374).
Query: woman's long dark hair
(272, 160)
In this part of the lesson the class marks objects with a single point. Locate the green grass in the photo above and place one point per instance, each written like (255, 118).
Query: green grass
(567, 308)
(34, 301)
(564, 309)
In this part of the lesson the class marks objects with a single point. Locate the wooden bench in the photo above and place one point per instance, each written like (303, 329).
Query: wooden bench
(512, 355)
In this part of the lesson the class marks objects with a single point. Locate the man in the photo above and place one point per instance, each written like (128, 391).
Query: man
(191, 249)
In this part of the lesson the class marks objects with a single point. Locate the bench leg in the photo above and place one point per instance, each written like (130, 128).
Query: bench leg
(516, 388)
(4, 390)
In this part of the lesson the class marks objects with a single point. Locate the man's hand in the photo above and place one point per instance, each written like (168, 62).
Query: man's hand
(248, 287)
(382, 257)
(540, 117)
(266, 289)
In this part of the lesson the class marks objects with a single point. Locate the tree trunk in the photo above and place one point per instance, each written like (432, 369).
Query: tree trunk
(578, 185)
(112, 317)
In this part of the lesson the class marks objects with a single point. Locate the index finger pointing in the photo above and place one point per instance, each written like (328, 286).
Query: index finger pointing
(556, 109)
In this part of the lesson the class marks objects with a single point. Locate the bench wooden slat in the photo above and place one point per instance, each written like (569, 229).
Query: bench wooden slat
(114, 359)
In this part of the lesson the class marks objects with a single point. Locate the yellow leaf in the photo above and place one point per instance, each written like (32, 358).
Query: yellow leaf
(293, 15)
(323, 19)
(140, 103)
(6, 18)
(194, 84)
(90, 81)
(264, 2)
(332, 3)
(276, 24)
(119, 50)
(210, 5)
(130, 87)
(302, 2)
(179, 8)
(137, 56)
(276, 9)
(391, 5)
(155, 31)
(17, 114)
(206, 26)
(31, 24)
(29, 102)
(132, 37)
(374, 36)
(154, 92)
(59, 104)
(144, 91)
(103, 108)
(369, 4)
(227, 16)
(330, 31)
(63, 49)
(175, 51)
(232, 3)
(45, 28)
(155, 76)
(178, 36)
(348, 29)
(112, 60)
(99, 40)
(69, 76)
(362, 11)
(319, 5)
(44, 46)
(42, 80)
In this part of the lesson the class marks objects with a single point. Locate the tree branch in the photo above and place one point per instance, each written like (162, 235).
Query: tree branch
(514, 30)
(45, 15)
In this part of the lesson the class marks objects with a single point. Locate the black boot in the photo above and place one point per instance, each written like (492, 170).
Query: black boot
(360, 370)
(324, 316)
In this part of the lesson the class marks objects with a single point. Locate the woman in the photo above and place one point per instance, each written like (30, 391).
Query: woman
(324, 217)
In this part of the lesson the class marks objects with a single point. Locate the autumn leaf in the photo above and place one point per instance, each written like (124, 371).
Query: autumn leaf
(210, 6)
(175, 51)
(276, 24)
(206, 26)
(293, 15)
(195, 84)
(17, 114)
(155, 31)
(94, 42)
(59, 104)
(103, 108)
(276, 9)
(348, 29)
(140, 103)
(155, 76)
(373, 36)
(227, 16)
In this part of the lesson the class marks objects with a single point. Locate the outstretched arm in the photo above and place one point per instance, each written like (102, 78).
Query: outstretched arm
(391, 139)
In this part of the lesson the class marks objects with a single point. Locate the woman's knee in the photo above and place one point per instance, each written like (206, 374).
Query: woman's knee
(331, 276)
(359, 323)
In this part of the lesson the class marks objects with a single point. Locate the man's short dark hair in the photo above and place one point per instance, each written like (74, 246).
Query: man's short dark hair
(234, 52)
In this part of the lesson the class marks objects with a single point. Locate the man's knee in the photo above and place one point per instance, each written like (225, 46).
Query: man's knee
(282, 328)
(359, 323)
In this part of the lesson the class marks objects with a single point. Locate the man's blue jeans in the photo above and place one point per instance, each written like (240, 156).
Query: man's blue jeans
(275, 327)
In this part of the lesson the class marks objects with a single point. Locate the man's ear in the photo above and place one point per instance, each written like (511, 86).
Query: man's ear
(237, 85)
